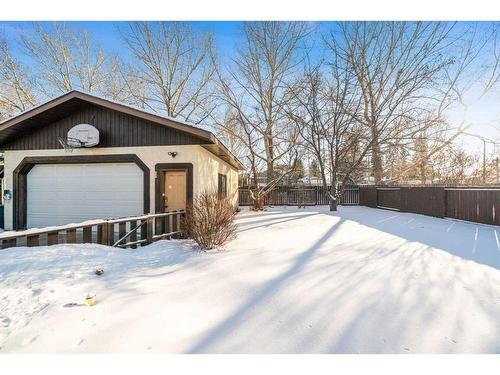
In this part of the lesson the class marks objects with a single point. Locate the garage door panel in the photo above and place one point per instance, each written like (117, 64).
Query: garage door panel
(70, 193)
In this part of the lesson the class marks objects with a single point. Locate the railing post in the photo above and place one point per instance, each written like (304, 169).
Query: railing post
(133, 237)
(174, 225)
(107, 234)
(149, 229)
(183, 226)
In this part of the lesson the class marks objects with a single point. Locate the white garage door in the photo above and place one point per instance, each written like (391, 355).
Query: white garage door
(59, 194)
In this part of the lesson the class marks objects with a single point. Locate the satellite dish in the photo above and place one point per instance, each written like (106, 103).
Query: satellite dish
(83, 135)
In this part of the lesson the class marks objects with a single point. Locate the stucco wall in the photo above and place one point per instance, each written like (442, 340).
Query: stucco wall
(206, 167)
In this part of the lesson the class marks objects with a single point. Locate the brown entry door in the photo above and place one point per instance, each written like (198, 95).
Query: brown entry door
(175, 190)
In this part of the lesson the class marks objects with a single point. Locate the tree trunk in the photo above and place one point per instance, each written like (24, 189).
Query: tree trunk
(377, 163)
(333, 204)
(258, 203)
(333, 195)
(423, 177)
(257, 199)
(269, 144)
(270, 171)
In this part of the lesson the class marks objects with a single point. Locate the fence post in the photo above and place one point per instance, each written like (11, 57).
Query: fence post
(445, 204)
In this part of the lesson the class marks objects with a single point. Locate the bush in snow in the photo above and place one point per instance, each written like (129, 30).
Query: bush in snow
(210, 220)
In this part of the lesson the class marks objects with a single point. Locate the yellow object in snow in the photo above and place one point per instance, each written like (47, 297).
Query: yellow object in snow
(91, 300)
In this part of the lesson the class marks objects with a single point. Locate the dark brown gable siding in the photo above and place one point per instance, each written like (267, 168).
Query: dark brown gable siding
(116, 130)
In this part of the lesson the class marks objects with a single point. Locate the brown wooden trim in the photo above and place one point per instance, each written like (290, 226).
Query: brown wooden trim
(160, 181)
(111, 105)
(204, 135)
(20, 186)
(219, 150)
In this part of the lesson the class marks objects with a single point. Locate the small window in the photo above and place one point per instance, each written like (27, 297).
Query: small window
(222, 186)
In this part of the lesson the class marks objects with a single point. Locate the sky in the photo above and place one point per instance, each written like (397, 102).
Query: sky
(482, 116)
(227, 33)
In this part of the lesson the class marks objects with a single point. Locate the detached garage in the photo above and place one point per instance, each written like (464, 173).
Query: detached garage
(81, 157)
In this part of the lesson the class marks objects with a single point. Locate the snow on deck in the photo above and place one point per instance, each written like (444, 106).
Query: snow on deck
(294, 281)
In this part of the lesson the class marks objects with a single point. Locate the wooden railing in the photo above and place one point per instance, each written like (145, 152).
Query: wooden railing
(124, 232)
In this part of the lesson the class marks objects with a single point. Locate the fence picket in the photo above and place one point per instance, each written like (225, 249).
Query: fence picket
(52, 238)
(87, 235)
(71, 234)
(122, 229)
(308, 195)
(33, 240)
(9, 243)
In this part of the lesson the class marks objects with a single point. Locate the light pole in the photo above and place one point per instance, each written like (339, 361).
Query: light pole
(484, 162)
(498, 181)
(495, 144)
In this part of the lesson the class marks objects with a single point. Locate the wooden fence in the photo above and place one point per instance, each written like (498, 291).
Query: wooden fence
(126, 232)
(477, 204)
(306, 196)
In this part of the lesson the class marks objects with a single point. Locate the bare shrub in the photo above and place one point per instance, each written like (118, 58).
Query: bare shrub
(210, 220)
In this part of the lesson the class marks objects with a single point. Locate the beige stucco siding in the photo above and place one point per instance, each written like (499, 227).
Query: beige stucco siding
(206, 167)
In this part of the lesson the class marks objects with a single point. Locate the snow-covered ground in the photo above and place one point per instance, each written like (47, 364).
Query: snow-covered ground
(294, 281)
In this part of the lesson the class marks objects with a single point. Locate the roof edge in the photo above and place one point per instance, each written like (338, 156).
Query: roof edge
(124, 108)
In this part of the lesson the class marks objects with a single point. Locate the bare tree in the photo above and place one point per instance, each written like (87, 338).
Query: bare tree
(453, 165)
(328, 130)
(405, 71)
(176, 67)
(256, 92)
(122, 83)
(230, 135)
(492, 56)
(16, 85)
(66, 59)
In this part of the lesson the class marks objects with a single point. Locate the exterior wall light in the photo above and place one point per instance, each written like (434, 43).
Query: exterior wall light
(7, 195)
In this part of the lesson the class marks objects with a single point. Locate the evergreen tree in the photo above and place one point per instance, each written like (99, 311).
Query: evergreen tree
(314, 169)
(299, 172)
